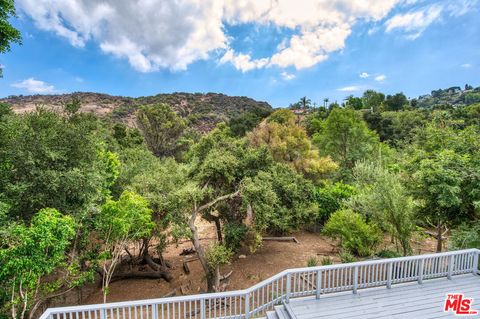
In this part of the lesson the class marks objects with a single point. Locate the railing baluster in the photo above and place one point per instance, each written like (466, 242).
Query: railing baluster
(247, 305)
(289, 287)
(475, 262)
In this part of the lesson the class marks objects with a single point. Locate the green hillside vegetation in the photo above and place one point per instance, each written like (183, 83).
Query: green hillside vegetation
(79, 189)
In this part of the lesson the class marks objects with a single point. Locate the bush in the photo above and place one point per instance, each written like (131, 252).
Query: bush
(329, 199)
(234, 235)
(312, 261)
(326, 261)
(466, 236)
(346, 257)
(386, 253)
(218, 255)
(355, 235)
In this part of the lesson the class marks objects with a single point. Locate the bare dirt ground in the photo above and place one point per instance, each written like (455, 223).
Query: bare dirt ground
(270, 259)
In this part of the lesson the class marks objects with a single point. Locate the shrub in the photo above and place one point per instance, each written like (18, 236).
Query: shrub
(355, 235)
(234, 235)
(312, 261)
(386, 253)
(466, 236)
(326, 261)
(329, 199)
(346, 257)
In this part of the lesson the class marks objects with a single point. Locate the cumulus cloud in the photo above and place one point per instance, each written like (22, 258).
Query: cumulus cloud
(380, 77)
(352, 88)
(171, 34)
(156, 34)
(34, 86)
(364, 75)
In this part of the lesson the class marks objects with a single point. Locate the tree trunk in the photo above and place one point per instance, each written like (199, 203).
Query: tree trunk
(200, 251)
(218, 226)
(439, 237)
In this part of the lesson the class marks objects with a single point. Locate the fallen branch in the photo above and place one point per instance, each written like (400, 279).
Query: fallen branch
(226, 276)
(281, 239)
(140, 275)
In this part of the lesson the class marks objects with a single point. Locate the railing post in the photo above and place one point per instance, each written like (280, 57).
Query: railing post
(475, 262)
(389, 275)
(202, 308)
(102, 313)
(355, 279)
(154, 311)
(289, 287)
(247, 305)
(420, 271)
(450, 267)
(319, 283)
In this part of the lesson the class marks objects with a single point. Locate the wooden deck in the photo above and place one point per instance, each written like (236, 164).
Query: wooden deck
(409, 300)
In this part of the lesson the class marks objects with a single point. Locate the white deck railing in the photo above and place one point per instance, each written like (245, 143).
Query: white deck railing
(290, 283)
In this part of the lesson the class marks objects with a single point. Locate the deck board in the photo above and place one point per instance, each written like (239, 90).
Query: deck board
(407, 300)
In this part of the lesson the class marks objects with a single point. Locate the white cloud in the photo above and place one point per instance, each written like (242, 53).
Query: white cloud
(380, 77)
(156, 34)
(34, 86)
(287, 76)
(352, 88)
(79, 79)
(416, 21)
(364, 75)
(466, 65)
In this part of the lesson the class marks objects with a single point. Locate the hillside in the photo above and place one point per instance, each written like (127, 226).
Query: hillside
(203, 111)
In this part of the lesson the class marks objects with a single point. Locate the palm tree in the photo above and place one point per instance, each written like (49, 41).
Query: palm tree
(325, 102)
(305, 103)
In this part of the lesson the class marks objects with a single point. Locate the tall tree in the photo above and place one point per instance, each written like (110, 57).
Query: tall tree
(382, 197)
(8, 34)
(119, 223)
(288, 143)
(162, 129)
(47, 160)
(28, 254)
(395, 102)
(346, 138)
(373, 100)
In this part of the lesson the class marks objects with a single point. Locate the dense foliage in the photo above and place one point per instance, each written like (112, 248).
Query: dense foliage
(88, 198)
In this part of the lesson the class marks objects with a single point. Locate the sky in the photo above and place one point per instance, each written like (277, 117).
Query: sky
(271, 50)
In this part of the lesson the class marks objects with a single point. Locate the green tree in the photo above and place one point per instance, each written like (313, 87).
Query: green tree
(288, 143)
(438, 184)
(119, 223)
(355, 235)
(329, 199)
(162, 129)
(373, 100)
(28, 254)
(444, 165)
(355, 103)
(346, 138)
(395, 102)
(8, 34)
(467, 235)
(218, 255)
(47, 160)
(382, 197)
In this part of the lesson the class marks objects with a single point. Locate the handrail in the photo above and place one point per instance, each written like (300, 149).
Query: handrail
(296, 282)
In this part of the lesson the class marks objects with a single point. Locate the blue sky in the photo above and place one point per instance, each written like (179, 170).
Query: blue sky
(276, 53)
